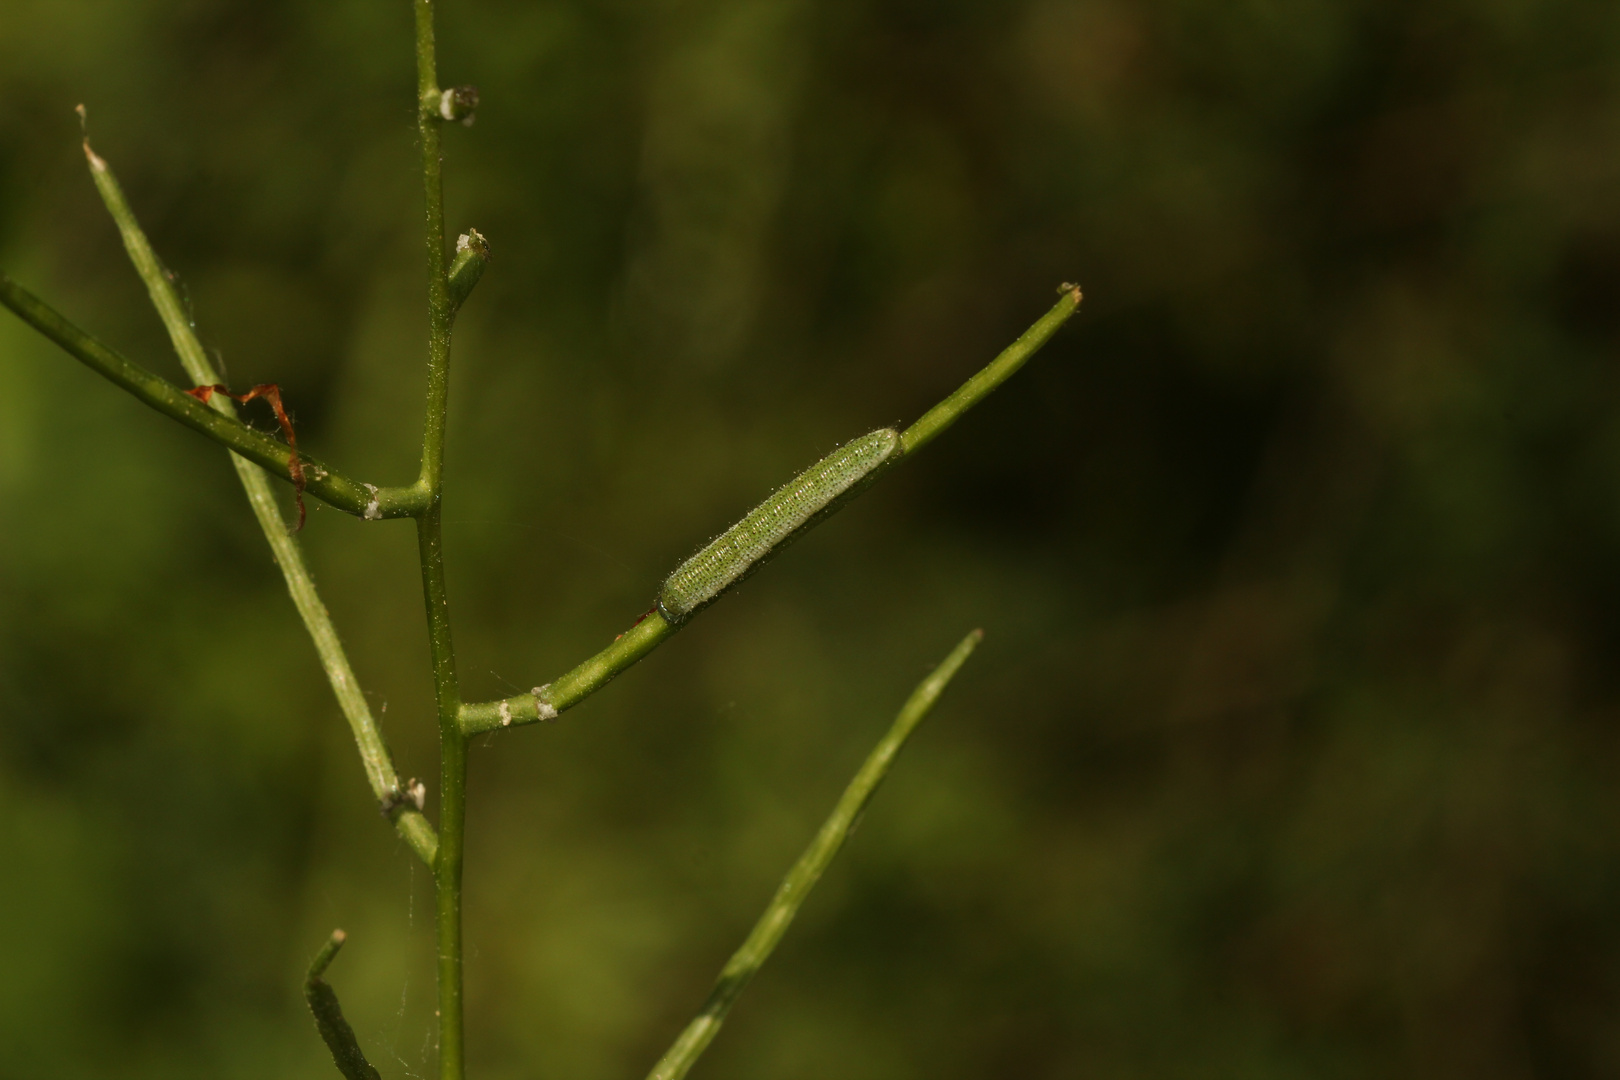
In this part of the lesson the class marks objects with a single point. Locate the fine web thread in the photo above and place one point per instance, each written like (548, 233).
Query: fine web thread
(730, 555)
(405, 986)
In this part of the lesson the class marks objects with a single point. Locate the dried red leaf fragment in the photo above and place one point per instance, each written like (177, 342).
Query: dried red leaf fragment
(271, 393)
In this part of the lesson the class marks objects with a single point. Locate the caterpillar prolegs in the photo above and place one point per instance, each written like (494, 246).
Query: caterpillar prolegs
(738, 551)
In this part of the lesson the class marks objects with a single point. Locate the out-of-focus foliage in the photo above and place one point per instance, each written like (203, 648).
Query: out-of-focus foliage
(1292, 747)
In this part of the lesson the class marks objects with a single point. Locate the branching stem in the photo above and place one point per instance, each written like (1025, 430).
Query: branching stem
(379, 765)
(441, 311)
(430, 544)
(256, 456)
(221, 425)
(570, 689)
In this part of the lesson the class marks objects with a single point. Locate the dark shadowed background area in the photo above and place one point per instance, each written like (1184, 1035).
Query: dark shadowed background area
(1292, 748)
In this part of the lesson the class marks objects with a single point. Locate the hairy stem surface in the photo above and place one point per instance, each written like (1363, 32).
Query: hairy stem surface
(452, 797)
(441, 311)
(430, 544)
(779, 913)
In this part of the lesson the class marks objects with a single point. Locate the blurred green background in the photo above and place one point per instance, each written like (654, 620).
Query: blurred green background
(1291, 751)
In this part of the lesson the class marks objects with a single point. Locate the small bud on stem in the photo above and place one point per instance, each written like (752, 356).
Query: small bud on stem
(472, 255)
(458, 103)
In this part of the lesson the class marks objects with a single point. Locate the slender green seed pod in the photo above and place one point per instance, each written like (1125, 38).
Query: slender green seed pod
(738, 551)
(335, 1030)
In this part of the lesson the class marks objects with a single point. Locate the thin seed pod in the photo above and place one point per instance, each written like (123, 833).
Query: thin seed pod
(764, 530)
(335, 1030)
(790, 895)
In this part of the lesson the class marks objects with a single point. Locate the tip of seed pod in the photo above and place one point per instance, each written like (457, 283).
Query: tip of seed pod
(84, 129)
(1069, 288)
(978, 634)
(339, 937)
(472, 240)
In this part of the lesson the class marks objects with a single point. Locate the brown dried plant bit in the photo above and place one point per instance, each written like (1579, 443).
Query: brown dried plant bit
(272, 394)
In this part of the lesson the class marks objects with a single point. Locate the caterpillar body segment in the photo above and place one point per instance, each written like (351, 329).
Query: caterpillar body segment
(774, 523)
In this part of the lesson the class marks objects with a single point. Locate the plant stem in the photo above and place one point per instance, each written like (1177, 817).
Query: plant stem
(441, 311)
(992, 375)
(374, 756)
(407, 817)
(566, 691)
(221, 425)
(452, 796)
(570, 689)
(430, 544)
(779, 913)
(334, 1029)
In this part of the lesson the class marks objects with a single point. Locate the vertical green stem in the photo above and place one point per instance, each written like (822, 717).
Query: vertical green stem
(452, 795)
(441, 311)
(452, 744)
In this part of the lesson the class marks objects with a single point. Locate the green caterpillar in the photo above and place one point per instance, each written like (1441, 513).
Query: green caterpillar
(764, 530)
